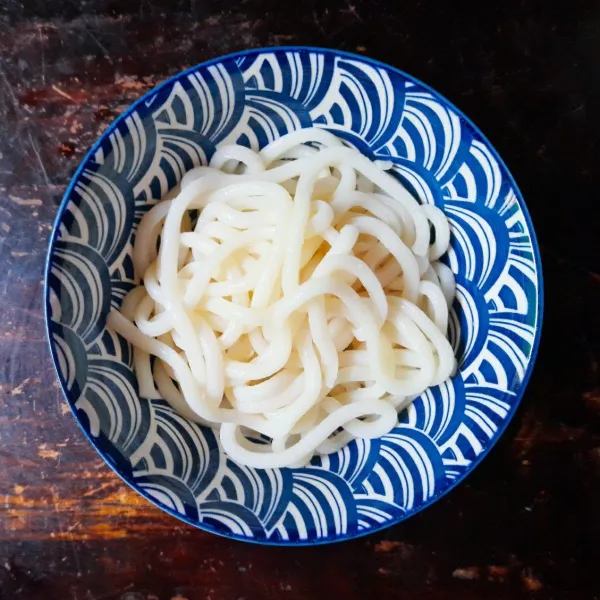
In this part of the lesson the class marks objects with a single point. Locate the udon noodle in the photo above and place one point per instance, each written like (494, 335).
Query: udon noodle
(292, 298)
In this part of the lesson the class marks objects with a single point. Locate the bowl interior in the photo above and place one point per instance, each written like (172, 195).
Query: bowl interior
(252, 98)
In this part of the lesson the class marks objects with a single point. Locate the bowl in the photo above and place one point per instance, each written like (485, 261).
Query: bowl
(252, 98)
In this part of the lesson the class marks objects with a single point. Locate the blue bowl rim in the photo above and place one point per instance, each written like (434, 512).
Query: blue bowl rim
(540, 299)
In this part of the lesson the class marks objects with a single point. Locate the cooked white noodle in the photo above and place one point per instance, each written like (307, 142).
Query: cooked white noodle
(302, 308)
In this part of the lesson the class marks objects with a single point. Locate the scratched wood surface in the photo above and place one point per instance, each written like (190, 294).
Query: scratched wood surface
(526, 524)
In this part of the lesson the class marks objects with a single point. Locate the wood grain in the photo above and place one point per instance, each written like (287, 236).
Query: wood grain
(525, 524)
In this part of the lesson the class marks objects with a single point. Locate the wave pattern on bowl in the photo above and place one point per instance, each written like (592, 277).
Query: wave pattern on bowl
(253, 98)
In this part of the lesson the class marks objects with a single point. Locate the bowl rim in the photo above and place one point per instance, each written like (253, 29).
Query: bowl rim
(54, 236)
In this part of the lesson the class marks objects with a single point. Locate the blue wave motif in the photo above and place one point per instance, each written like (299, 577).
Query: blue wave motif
(463, 447)
(353, 463)
(301, 76)
(122, 284)
(252, 99)
(320, 506)
(430, 135)
(268, 116)
(480, 244)
(374, 511)
(206, 101)
(232, 518)
(479, 178)
(471, 330)
(264, 492)
(110, 397)
(188, 119)
(80, 279)
(180, 151)
(183, 449)
(418, 181)
(98, 198)
(405, 473)
(113, 345)
(362, 100)
(72, 358)
(127, 152)
(169, 491)
(438, 411)
(485, 411)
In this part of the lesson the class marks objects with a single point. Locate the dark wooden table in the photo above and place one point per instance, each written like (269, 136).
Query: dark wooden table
(526, 524)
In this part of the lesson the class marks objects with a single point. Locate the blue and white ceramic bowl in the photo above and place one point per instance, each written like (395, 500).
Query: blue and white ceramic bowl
(252, 98)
